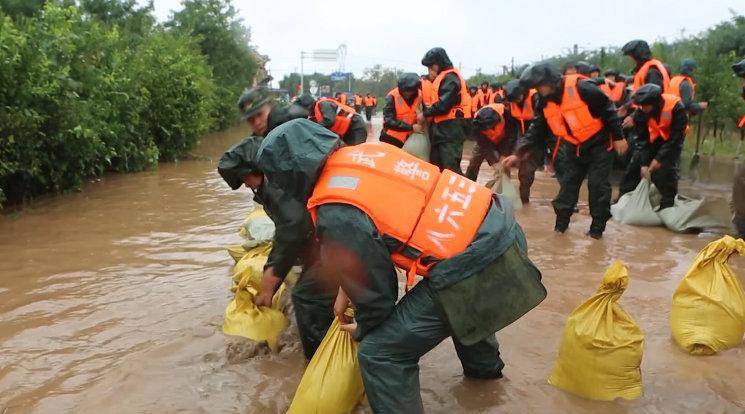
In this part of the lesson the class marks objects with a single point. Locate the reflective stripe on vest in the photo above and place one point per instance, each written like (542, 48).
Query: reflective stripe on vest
(525, 111)
(404, 112)
(496, 133)
(462, 107)
(675, 83)
(343, 119)
(661, 128)
(574, 113)
(441, 214)
(641, 75)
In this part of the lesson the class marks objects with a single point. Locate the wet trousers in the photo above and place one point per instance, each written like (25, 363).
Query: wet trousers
(313, 301)
(665, 179)
(389, 354)
(447, 145)
(594, 163)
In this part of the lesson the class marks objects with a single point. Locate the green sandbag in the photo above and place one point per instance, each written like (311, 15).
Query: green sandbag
(506, 188)
(418, 146)
(687, 214)
(638, 207)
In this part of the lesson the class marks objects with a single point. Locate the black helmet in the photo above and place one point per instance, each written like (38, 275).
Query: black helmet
(239, 161)
(409, 82)
(739, 68)
(687, 66)
(484, 83)
(437, 56)
(648, 94)
(496, 85)
(594, 68)
(306, 101)
(638, 49)
(473, 88)
(486, 118)
(538, 74)
(612, 72)
(513, 90)
(252, 100)
(583, 67)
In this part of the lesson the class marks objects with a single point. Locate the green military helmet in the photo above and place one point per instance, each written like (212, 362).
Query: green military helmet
(252, 100)
(239, 161)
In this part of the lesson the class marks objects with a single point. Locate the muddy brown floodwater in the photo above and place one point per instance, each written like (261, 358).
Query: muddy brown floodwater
(111, 301)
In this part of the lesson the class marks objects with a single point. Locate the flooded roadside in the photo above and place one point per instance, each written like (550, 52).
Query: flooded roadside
(111, 300)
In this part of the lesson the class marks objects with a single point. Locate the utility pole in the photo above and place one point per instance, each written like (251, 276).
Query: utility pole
(302, 84)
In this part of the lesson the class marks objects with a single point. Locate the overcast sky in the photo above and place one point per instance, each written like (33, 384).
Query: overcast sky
(476, 34)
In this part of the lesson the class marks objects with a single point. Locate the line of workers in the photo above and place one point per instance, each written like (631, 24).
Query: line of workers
(336, 202)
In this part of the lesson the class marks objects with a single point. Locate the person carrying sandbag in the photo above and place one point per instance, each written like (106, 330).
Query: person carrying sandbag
(601, 353)
(461, 238)
(661, 123)
(708, 312)
(400, 111)
(293, 242)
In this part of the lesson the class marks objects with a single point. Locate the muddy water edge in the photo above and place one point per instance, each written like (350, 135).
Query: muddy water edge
(111, 300)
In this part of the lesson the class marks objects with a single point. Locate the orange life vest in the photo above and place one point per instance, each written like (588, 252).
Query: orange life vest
(369, 101)
(439, 219)
(342, 98)
(661, 128)
(641, 75)
(486, 97)
(475, 100)
(357, 100)
(524, 112)
(344, 116)
(571, 120)
(677, 80)
(463, 107)
(741, 123)
(615, 92)
(494, 95)
(429, 96)
(496, 133)
(404, 112)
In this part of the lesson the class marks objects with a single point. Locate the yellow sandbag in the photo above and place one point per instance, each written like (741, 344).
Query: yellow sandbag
(257, 228)
(242, 316)
(236, 251)
(708, 313)
(332, 382)
(601, 352)
(251, 265)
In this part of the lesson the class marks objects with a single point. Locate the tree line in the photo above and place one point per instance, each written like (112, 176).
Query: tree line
(99, 85)
(714, 51)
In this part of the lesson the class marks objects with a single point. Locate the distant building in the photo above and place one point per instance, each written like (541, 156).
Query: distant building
(261, 61)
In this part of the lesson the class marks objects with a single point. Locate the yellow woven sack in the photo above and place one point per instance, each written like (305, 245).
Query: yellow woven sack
(708, 313)
(242, 316)
(601, 353)
(332, 383)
